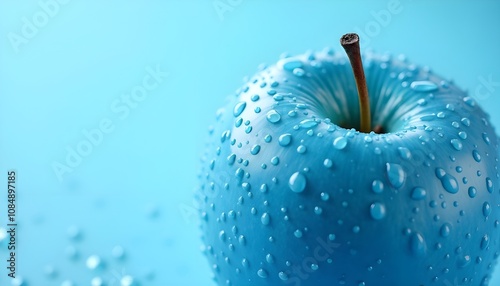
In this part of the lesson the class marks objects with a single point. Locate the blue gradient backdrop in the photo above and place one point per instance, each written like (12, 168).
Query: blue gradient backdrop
(66, 74)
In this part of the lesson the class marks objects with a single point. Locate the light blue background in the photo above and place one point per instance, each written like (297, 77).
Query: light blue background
(135, 188)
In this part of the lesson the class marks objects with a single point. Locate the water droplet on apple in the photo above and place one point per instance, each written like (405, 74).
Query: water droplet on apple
(476, 156)
(449, 182)
(340, 143)
(297, 233)
(283, 276)
(469, 101)
(423, 86)
(275, 160)
(238, 108)
(297, 182)
(377, 211)
(472, 192)
(273, 116)
(285, 139)
(396, 175)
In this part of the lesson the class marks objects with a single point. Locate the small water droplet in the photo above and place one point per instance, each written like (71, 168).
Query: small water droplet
(469, 101)
(486, 138)
(377, 186)
(404, 153)
(292, 64)
(273, 116)
(238, 108)
(262, 273)
(377, 211)
(449, 182)
(418, 194)
(265, 219)
(485, 241)
(298, 72)
(297, 182)
(285, 139)
(489, 185)
(308, 123)
(396, 175)
(340, 143)
(297, 233)
(255, 149)
(456, 144)
(327, 163)
(472, 192)
(423, 86)
(445, 230)
(301, 149)
(417, 244)
(283, 276)
(486, 209)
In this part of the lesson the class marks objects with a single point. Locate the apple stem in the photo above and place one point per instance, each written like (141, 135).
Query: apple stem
(350, 43)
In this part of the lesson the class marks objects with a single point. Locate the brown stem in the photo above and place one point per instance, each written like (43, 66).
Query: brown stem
(350, 43)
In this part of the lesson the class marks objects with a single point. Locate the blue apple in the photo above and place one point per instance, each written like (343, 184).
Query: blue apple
(293, 194)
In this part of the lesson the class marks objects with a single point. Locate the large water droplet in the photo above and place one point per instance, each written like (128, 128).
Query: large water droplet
(377, 211)
(285, 139)
(297, 182)
(423, 86)
(449, 182)
(340, 143)
(238, 108)
(396, 175)
(418, 245)
(273, 116)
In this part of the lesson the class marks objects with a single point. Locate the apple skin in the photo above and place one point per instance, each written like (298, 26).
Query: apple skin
(288, 197)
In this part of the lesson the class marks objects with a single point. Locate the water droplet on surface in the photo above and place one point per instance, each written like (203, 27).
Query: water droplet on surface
(404, 153)
(283, 276)
(285, 139)
(445, 230)
(377, 186)
(297, 182)
(308, 123)
(476, 156)
(297, 233)
(489, 185)
(291, 65)
(265, 218)
(472, 192)
(377, 211)
(449, 182)
(485, 241)
(418, 245)
(469, 101)
(486, 209)
(255, 149)
(456, 144)
(423, 86)
(340, 143)
(396, 175)
(418, 194)
(239, 108)
(273, 116)
(93, 262)
(327, 163)
(298, 72)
